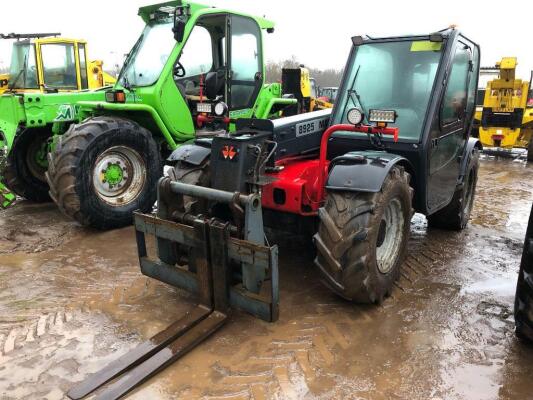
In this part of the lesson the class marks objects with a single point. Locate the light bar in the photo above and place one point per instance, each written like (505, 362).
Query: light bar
(203, 107)
(388, 116)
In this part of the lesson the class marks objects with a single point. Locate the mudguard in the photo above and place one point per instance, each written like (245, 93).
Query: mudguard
(361, 171)
(191, 153)
(469, 148)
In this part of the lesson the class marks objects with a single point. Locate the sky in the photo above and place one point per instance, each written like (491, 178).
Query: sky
(316, 33)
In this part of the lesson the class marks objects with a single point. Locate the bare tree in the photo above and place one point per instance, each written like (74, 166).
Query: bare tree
(327, 77)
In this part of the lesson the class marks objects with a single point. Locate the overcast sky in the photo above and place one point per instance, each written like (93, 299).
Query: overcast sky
(317, 33)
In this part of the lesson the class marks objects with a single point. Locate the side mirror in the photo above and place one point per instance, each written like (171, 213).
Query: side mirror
(179, 30)
(181, 16)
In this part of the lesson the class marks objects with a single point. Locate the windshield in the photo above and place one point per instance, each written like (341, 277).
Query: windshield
(23, 72)
(392, 76)
(149, 55)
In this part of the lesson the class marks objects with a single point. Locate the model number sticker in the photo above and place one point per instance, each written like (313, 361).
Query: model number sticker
(306, 128)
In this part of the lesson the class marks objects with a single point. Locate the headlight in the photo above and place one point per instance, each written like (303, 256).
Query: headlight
(221, 109)
(354, 116)
(388, 116)
(203, 107)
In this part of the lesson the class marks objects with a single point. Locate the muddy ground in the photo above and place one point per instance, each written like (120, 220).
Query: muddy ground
(72, 299)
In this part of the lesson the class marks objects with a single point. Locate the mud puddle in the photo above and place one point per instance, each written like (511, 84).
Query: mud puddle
(446, 332)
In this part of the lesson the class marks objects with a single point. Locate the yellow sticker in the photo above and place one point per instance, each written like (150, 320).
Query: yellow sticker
(426, 45)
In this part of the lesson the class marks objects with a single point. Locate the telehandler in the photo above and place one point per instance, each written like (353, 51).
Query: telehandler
(40, 63)
(397, 141)
(194, 71)
(505, 120)
(47, 62)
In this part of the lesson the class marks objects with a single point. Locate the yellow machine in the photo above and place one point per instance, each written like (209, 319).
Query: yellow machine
(505, 121)
(45, 62)
(297, 82)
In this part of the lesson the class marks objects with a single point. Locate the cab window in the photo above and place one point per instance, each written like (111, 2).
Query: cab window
(59, 66)
(83, 66)
(197, 54)
(245, 61)
(454, 101)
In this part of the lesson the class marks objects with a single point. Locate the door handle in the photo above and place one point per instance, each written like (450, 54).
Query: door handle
(434, 143)
(258, 76)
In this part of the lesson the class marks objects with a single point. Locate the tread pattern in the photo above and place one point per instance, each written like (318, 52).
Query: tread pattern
(343, 249)
(523, 311)
(451, 217)
(16, 177)
(64, 163)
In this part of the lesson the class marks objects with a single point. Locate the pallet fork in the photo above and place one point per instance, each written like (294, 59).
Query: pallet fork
(213, 253)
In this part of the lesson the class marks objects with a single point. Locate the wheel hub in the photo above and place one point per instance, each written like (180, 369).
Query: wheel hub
(114, 174)
(119, 175)
(390, 236)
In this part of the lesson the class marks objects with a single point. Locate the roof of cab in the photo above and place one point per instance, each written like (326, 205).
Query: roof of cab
(168, 6)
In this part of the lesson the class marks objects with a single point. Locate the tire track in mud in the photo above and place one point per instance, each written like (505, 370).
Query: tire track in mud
(302, 351)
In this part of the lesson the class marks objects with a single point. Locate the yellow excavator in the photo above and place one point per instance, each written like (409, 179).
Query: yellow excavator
(506, 120)
(47, 62)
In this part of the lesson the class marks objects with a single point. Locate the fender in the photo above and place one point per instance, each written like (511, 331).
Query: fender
(465, 158)
(361, 171)
(191, 153)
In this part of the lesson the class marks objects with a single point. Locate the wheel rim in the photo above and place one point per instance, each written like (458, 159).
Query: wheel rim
(119, 175)
(390, 236)
(36, 158)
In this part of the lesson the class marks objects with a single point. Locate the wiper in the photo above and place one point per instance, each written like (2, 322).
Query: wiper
(353, 92)
(22, 71)
(121, 77)
(126, 83)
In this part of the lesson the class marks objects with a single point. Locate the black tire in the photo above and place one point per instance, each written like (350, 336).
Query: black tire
(73, 164)
(351, 232)
(456, 214)
(530, 150)
(23, 175)
(171, 252)
(523, 308)
(198, 175)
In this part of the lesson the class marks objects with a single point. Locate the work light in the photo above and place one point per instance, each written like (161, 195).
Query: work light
(354, 116)
(115, 96)
(387, 116)
(203, 107)
(220, 109)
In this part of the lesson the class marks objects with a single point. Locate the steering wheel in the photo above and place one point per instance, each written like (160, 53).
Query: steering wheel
(179, 70)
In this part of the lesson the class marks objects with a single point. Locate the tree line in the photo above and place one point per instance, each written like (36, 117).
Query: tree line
(324, 78)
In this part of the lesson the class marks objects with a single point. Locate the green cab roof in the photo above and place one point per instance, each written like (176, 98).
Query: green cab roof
(196, 10)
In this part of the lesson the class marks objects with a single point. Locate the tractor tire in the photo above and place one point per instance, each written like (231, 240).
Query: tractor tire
(198, 175)
(523, 307)
(456, 214)
(25, 168)
(530, 150)
(362, 238)
(103, 170)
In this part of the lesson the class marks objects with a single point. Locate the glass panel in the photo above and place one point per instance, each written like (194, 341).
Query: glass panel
(197, 54)
(23, 69)
(392, 76)
(245, 60)
(59, 66)
(149, 55)
(83, 66)
(454, 101)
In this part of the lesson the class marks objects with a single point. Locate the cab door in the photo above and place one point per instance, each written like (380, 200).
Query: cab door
(449, 131)
(245, 63)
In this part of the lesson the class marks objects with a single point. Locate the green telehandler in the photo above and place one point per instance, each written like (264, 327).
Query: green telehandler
(193, 72)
